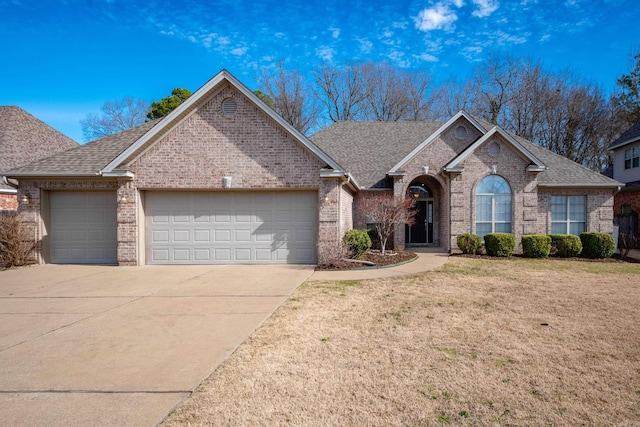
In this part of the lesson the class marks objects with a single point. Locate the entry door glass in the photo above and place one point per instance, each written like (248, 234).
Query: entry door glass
(418, 229)
(421, 232)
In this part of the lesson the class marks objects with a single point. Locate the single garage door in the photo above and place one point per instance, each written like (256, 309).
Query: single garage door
(231, 228)
(83, 227)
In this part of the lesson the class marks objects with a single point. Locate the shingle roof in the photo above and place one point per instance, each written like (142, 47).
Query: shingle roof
(87, 159)
(24, 139)
(632, 134)
(368, 150)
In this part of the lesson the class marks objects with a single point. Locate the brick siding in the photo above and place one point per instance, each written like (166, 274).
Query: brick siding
(8, 202)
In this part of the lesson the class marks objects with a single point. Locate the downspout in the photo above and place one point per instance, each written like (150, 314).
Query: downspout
(6, 181)
(347, 181)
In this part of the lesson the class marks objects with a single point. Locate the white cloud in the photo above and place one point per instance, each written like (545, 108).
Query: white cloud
(239, 51)
(485, 7)
(325, 53)
(427, 57)
(335, 32)
(365, 45)
(438, 17)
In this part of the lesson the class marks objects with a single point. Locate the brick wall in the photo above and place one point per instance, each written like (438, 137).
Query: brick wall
(8, 202)
(248, 146)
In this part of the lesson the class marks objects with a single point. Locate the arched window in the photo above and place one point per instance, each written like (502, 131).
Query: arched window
(493, 206)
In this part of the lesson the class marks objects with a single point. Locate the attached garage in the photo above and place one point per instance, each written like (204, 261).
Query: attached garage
(83, 227)
(231, 227)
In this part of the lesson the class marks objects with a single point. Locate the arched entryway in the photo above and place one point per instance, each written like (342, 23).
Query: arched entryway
(424, 231)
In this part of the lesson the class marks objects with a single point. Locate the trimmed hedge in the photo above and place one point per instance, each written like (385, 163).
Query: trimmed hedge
(565, 245)
(469, 243)
(375, 238)
(499, 244)
(597, 245)
(536, 245)
(357, 242)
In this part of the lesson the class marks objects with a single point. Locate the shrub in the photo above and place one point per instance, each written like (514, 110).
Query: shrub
(375, 238)
(597, 245)
(499, 244)
(565, 245)
(536, 245)
(469, 243)
(16, 246)
(357, 242)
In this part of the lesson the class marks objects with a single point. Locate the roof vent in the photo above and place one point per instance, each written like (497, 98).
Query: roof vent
(461, 132)
(229, 106)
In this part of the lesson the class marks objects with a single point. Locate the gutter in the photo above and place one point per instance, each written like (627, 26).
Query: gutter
(5, 180)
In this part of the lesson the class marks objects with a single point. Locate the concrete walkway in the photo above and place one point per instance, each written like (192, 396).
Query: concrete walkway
(98, 345)
(428, 259)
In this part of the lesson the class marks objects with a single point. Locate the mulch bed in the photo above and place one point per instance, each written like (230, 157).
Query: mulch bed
(389, 258)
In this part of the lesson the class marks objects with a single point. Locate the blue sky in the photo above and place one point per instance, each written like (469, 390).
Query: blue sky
(63, 59)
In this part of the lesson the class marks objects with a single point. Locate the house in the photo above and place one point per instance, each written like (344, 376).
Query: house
(223, 179)
(626, 169)
(23, 139)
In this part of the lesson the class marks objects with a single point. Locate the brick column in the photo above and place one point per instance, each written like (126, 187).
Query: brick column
(127, 224)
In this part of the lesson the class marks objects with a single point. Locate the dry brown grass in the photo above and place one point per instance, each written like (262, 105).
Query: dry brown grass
(465, 345)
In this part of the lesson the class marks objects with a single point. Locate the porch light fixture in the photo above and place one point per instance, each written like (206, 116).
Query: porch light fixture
(25, 199)
(123, 198)
(425, 170)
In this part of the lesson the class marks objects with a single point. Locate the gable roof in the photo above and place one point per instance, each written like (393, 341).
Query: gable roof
(372, 150)
(24, 139)
(630, 136)
(110, 155)
(85, 160)
(369, 149)
(436, 134)
(196, 100)
(535, 166)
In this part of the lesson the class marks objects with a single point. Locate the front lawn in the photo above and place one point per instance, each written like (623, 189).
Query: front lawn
(479, 342)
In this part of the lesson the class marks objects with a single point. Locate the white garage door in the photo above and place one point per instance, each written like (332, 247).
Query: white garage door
(83, 227)
(230, 228)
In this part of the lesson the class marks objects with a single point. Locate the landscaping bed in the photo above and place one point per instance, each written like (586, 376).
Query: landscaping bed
(374, 256)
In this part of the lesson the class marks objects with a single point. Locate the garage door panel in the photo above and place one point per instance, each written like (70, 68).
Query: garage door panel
(83, 227)
(231, 227)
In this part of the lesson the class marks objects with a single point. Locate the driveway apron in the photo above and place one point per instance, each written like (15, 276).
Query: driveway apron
(100, 345)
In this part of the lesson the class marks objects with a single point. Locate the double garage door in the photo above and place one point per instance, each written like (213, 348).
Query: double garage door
(229, 228)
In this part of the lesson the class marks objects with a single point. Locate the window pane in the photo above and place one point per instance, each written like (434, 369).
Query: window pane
(636, 162)
(482, 229)
(627, 164)
(504, 227)
(627, 153)
(493, 184)
(577, 228)
(636, 151)
(483, 208)
(577, 208)
(558, 208)
(558, 228)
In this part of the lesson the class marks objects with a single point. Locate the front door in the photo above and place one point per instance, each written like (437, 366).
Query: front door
(421, 232)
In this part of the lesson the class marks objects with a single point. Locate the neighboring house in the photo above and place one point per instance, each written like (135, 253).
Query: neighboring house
(626, 169)
(23, 139)
(224, 179)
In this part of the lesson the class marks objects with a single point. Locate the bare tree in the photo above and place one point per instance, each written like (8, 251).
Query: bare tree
(341, 91)
(386, 212)
(116, 116)
(291, 97)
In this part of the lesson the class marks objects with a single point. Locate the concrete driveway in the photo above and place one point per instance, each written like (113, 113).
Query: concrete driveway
(99, 345)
